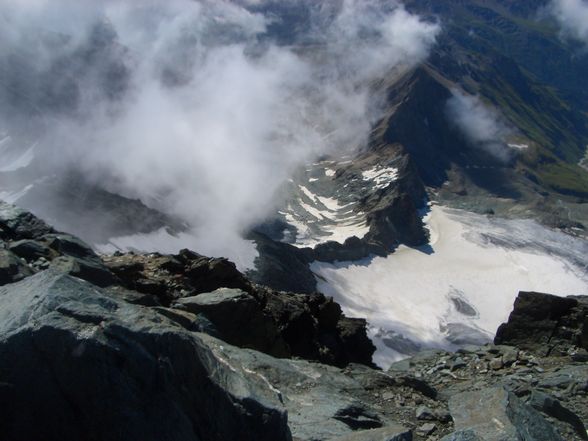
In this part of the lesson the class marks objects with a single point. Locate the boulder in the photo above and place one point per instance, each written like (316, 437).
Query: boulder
(91, 270)
(494, 414)
(546, 324)
(238, 319)
(12, 269)
(78, 363)
(30, 250)
(17, 224)
(66, 244)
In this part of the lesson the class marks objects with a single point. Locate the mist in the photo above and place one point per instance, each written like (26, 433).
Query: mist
(192, 106)
(572, 16)
(482, 126)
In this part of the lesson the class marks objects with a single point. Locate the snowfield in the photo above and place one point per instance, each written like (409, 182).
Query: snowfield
(458, 290)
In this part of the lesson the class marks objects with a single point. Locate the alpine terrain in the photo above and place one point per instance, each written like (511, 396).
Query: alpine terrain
(342, 220)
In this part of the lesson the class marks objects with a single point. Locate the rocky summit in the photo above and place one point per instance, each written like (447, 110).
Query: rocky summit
(185, 347)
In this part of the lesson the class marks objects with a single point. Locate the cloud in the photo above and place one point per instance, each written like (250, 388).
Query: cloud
(483, 127)
(572, 16)
(191, 106)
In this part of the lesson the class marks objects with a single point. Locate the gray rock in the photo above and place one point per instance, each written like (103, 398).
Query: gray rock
(12, 269)
(494, 414)
(426, 429)
(78, 363)
(462, 435)
(496, 363)
(425, 413)
(551, 406)
(91, 270)
(388, 433)
(510, 356)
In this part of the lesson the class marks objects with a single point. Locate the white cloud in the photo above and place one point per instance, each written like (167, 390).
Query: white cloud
(180, 103)
(483, 126)
(572, 16)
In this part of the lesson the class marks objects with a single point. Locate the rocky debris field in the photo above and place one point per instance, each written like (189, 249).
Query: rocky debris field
(185, 347)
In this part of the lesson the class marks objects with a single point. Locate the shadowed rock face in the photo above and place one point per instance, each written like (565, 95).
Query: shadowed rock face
(546, 324)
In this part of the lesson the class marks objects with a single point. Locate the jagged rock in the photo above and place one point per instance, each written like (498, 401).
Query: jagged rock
(497, 415)
(66, 244)
(91, 270)
(12, 269)
(543, 323)
(29, 250)
(77, 363)
(17, 224)
(238, 319)
(551, 406)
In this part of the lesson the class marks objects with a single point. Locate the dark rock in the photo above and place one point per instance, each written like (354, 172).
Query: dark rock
(12, 269)
(67, 348)
(29, 250)
(357, 417)
(281, 266)
(358, 346)
(543, 322)
(311, 325)
(91, 270)
(207, 274)
(17, 224)
(239, 320)
(495, 414)
(551, 406)
(69, 245)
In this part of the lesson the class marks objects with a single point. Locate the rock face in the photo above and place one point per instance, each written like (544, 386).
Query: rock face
(282, 324)
(78, 363)
(494, 414)
(546, 324)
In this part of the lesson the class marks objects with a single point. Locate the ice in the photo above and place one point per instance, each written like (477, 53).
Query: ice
(329, 172)
(410, 291)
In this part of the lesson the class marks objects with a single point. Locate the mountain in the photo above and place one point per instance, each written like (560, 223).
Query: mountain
(184, 347)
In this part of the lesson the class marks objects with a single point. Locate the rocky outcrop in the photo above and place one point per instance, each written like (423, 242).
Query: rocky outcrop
(548, 325)
(282, 324)
(77, 363)
(278, 323)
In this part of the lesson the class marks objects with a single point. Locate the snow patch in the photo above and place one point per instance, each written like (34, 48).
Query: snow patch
(409, 293)
(380, 176)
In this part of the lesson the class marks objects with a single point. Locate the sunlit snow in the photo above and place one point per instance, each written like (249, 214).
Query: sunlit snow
(413, 294)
